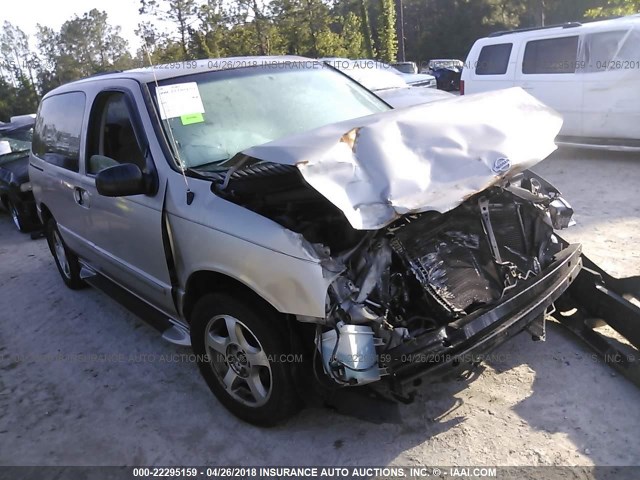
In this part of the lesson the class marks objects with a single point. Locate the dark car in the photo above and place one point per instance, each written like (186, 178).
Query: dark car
(15, 189)
(447, 73)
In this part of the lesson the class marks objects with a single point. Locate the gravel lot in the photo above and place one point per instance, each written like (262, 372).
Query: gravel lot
(549, 403)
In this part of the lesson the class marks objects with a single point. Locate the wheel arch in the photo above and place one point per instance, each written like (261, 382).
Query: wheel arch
(203, 282)
(44, 213)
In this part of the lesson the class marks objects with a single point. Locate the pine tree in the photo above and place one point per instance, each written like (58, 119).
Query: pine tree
(352, 38)
(387, 39)
(366, 29)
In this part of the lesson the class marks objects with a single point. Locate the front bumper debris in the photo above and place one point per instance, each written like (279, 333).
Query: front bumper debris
(461, 345)
(597, 298)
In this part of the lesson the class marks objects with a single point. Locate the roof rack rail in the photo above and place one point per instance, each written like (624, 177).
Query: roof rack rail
(559, 25)
(109, 72)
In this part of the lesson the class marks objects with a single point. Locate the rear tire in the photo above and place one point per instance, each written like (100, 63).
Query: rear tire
(66, 260)
(241, 353)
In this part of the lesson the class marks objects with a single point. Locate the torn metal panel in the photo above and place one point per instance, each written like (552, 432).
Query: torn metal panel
(428, 157)
(596, 297)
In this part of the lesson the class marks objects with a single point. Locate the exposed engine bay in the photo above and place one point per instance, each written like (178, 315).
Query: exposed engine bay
(420, 273)
(429, 270)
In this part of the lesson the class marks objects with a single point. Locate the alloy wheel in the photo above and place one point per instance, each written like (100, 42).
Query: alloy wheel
(238, 360)
(61, 254)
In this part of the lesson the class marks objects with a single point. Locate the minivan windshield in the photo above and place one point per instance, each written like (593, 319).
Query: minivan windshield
(254, 105)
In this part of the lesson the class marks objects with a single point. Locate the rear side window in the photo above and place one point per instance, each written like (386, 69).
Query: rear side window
(600, 49)
(615, 50)
(56, 136)
(629, 51)
(553, 55)
(494, 59)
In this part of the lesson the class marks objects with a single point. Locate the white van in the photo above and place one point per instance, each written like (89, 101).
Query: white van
(590, 73)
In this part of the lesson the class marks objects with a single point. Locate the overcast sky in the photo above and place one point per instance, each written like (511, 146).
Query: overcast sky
(26, 14)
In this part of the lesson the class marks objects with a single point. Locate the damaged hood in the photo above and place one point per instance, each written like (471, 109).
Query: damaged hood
(428, 157)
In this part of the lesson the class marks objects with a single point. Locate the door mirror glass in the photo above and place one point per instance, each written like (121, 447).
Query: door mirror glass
(121, 181)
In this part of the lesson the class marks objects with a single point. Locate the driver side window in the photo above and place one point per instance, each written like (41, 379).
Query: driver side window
(112, 139)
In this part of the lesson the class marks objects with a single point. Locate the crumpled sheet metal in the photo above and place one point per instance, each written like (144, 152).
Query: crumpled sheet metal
(428, 157)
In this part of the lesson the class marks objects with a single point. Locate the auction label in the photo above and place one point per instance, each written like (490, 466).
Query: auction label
(179, 99)
(317, 472)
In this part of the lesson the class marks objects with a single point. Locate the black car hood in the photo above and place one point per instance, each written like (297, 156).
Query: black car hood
(14, 172)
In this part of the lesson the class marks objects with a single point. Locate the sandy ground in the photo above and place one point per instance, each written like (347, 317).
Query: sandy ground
(549, 403)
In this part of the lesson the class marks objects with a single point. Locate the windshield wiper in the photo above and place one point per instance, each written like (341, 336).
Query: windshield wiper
(203, 166)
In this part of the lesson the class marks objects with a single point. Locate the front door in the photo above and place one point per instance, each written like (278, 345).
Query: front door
(126, 232)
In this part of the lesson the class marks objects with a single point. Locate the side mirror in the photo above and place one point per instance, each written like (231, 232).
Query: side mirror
(121, 181)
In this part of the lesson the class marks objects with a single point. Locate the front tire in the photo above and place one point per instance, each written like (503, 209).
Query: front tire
(66, 260)
(240, 349)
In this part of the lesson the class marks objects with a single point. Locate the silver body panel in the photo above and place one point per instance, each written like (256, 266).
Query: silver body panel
(215, 235)
(121, 238)
(151, 245)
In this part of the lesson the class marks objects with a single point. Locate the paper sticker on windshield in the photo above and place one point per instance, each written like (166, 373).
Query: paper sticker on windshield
(191, 118)
(178, 100)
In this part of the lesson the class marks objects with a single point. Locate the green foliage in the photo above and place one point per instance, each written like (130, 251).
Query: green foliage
(307, 27)
(175, 30)
(615, 8)
(387, 39)
(84, 46)
(17, 99)
(181, 13)
(352, 37)
(366, 29)
(18, 94)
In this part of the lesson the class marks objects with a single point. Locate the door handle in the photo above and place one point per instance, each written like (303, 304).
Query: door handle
(81, 197)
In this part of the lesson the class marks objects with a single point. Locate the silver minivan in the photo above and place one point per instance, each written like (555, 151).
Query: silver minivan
(299, 233)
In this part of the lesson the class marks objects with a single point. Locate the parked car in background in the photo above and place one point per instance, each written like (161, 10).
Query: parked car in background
(386, 83)
(15, 189)
(406, 67)
(422, 80)
(412, 79)
(447, 73)
(588, 72)
(298, 232)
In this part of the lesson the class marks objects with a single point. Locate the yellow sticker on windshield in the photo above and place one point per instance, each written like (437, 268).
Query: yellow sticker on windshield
(192, 118)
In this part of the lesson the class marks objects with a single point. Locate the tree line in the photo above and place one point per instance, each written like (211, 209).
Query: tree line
(177, 30)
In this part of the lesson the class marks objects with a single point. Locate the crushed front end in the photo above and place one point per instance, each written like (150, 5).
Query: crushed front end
(432, 292)
(436, 240)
